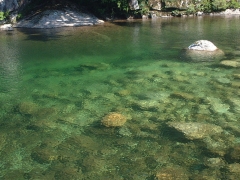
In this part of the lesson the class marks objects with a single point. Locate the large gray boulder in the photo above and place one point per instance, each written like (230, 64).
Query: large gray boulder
(8, 5)
(58, 18)
(203, 50)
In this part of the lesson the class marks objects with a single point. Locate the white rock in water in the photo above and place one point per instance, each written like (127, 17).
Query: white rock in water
(203, 45)
(6, 27)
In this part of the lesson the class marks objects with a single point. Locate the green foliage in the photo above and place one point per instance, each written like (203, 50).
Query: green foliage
(2, 17)
(191, 9)
(144, 8)
(19, 16)
(219, 5)
(233, 4)
(206, 5)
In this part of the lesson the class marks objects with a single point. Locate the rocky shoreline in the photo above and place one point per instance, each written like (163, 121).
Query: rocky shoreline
(59, 18)
(71, 18)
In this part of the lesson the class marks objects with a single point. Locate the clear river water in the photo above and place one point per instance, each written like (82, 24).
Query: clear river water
(182, 117)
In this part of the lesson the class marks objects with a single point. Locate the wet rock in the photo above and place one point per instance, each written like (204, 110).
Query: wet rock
(230, 63)
(236, 84)
(236, 76)
(146, 105)
(223, 80)
(194, 130)
(203, 50)
(91, 67)
(217, 105)
(92, 163)
(214, 162)
(235, 153)
(28, 108)
(184, 96)
(203, 45)
(114, 120)
(44, 156)
(124, 131)
(68, 173)
(171, 173)
(234, 168)
(216, 145)
(46, 112)
(123, 92)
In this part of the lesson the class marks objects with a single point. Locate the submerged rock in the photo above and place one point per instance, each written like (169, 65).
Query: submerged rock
(214, 162)
(194, 130)
(230, 63)
(114, 120)
(171, 173)
(203, 50)
(28, 108)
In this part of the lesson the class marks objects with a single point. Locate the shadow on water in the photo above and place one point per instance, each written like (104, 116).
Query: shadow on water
(42, 34)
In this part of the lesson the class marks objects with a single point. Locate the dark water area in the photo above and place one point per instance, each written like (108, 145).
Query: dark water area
(59, 86)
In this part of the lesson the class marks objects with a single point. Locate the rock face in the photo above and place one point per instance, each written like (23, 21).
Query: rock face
(155, 4)
(133, 4)
(59, 18)
(8, 5)
(180, 4)
(196, 130)
(203, 50)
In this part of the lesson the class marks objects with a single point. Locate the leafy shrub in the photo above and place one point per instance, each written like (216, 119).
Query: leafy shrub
(191, 9)
(219, 5)
(234, 4)
(2, 17)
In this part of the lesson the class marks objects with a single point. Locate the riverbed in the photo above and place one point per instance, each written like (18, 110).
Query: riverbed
(57, 85)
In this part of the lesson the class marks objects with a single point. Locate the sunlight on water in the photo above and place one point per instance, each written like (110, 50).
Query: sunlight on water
(120, 101)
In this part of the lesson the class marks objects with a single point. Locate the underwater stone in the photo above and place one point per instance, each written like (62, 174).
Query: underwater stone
(184, 96)
(214, 162)
(194, 130)
(223, 80)
(28, 108)
(230, 63)
(217, 105)
(235, 153)
(114, 120)
(234, 168)
(171, 173)
(236, 76)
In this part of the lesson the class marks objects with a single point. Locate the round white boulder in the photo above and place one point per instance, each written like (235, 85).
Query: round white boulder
(203, 45)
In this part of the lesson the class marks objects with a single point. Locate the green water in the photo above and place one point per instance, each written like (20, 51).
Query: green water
(57, 85)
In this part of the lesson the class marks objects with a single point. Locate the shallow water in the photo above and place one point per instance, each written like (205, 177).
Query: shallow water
(57, 85)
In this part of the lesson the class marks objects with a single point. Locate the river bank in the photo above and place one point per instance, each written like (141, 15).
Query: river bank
(70, 17)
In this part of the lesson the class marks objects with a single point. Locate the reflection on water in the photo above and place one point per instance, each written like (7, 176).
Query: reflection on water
(9, 66)
(118, 101)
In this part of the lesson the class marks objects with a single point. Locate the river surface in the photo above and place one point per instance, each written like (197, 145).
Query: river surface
(183, 117)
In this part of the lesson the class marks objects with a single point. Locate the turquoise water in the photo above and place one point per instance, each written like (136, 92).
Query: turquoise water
(57, 85)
